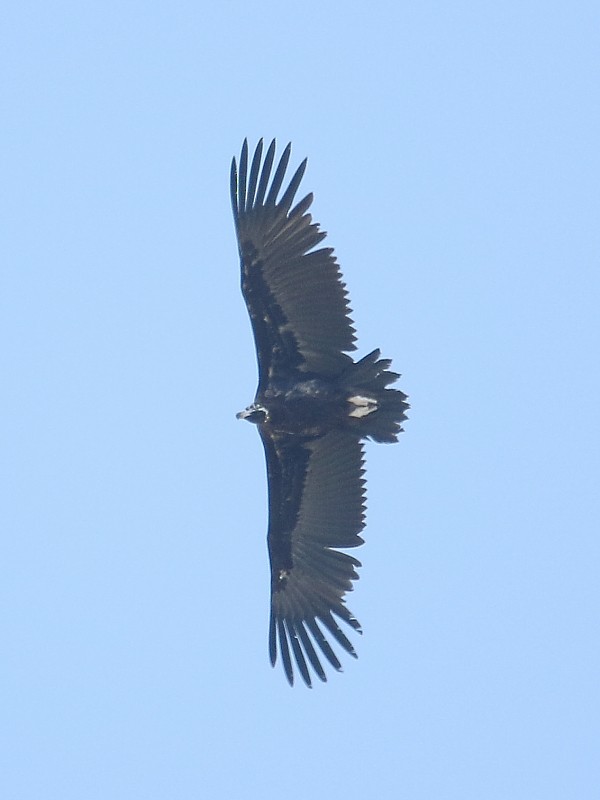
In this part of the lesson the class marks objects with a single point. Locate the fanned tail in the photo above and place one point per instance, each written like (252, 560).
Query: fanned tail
(375, 409)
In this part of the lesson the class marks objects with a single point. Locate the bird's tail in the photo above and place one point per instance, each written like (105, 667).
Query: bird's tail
(373, 408)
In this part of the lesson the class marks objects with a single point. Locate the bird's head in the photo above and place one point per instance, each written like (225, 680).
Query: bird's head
(254, 413)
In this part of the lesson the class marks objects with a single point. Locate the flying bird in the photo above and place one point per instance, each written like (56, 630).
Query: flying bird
(314, 406)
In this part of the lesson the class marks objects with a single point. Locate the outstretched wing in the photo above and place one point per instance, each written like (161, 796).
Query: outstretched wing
(297, 302)
(316, 505)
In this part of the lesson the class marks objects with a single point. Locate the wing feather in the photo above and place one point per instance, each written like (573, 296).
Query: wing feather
(254, 172)
(279, 176)
(266, 172)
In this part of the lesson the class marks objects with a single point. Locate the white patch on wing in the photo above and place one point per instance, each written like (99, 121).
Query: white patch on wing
(363, 405)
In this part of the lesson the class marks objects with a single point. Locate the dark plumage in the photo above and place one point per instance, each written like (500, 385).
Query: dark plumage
(313, 407)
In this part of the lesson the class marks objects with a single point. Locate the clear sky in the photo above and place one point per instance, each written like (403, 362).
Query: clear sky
(453, 153)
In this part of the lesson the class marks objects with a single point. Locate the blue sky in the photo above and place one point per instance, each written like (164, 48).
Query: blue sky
(453, 153)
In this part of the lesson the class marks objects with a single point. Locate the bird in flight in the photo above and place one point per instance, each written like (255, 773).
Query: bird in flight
(314, 406)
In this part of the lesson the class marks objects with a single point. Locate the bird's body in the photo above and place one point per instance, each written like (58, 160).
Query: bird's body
(313, 407)
(298, 406)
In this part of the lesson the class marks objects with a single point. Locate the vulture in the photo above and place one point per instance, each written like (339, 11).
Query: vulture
(314, 407)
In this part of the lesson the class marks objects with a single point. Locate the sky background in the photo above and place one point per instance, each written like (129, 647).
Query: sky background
(453, 153)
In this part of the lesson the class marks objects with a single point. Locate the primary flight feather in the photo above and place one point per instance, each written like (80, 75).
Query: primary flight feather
(313, 407)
